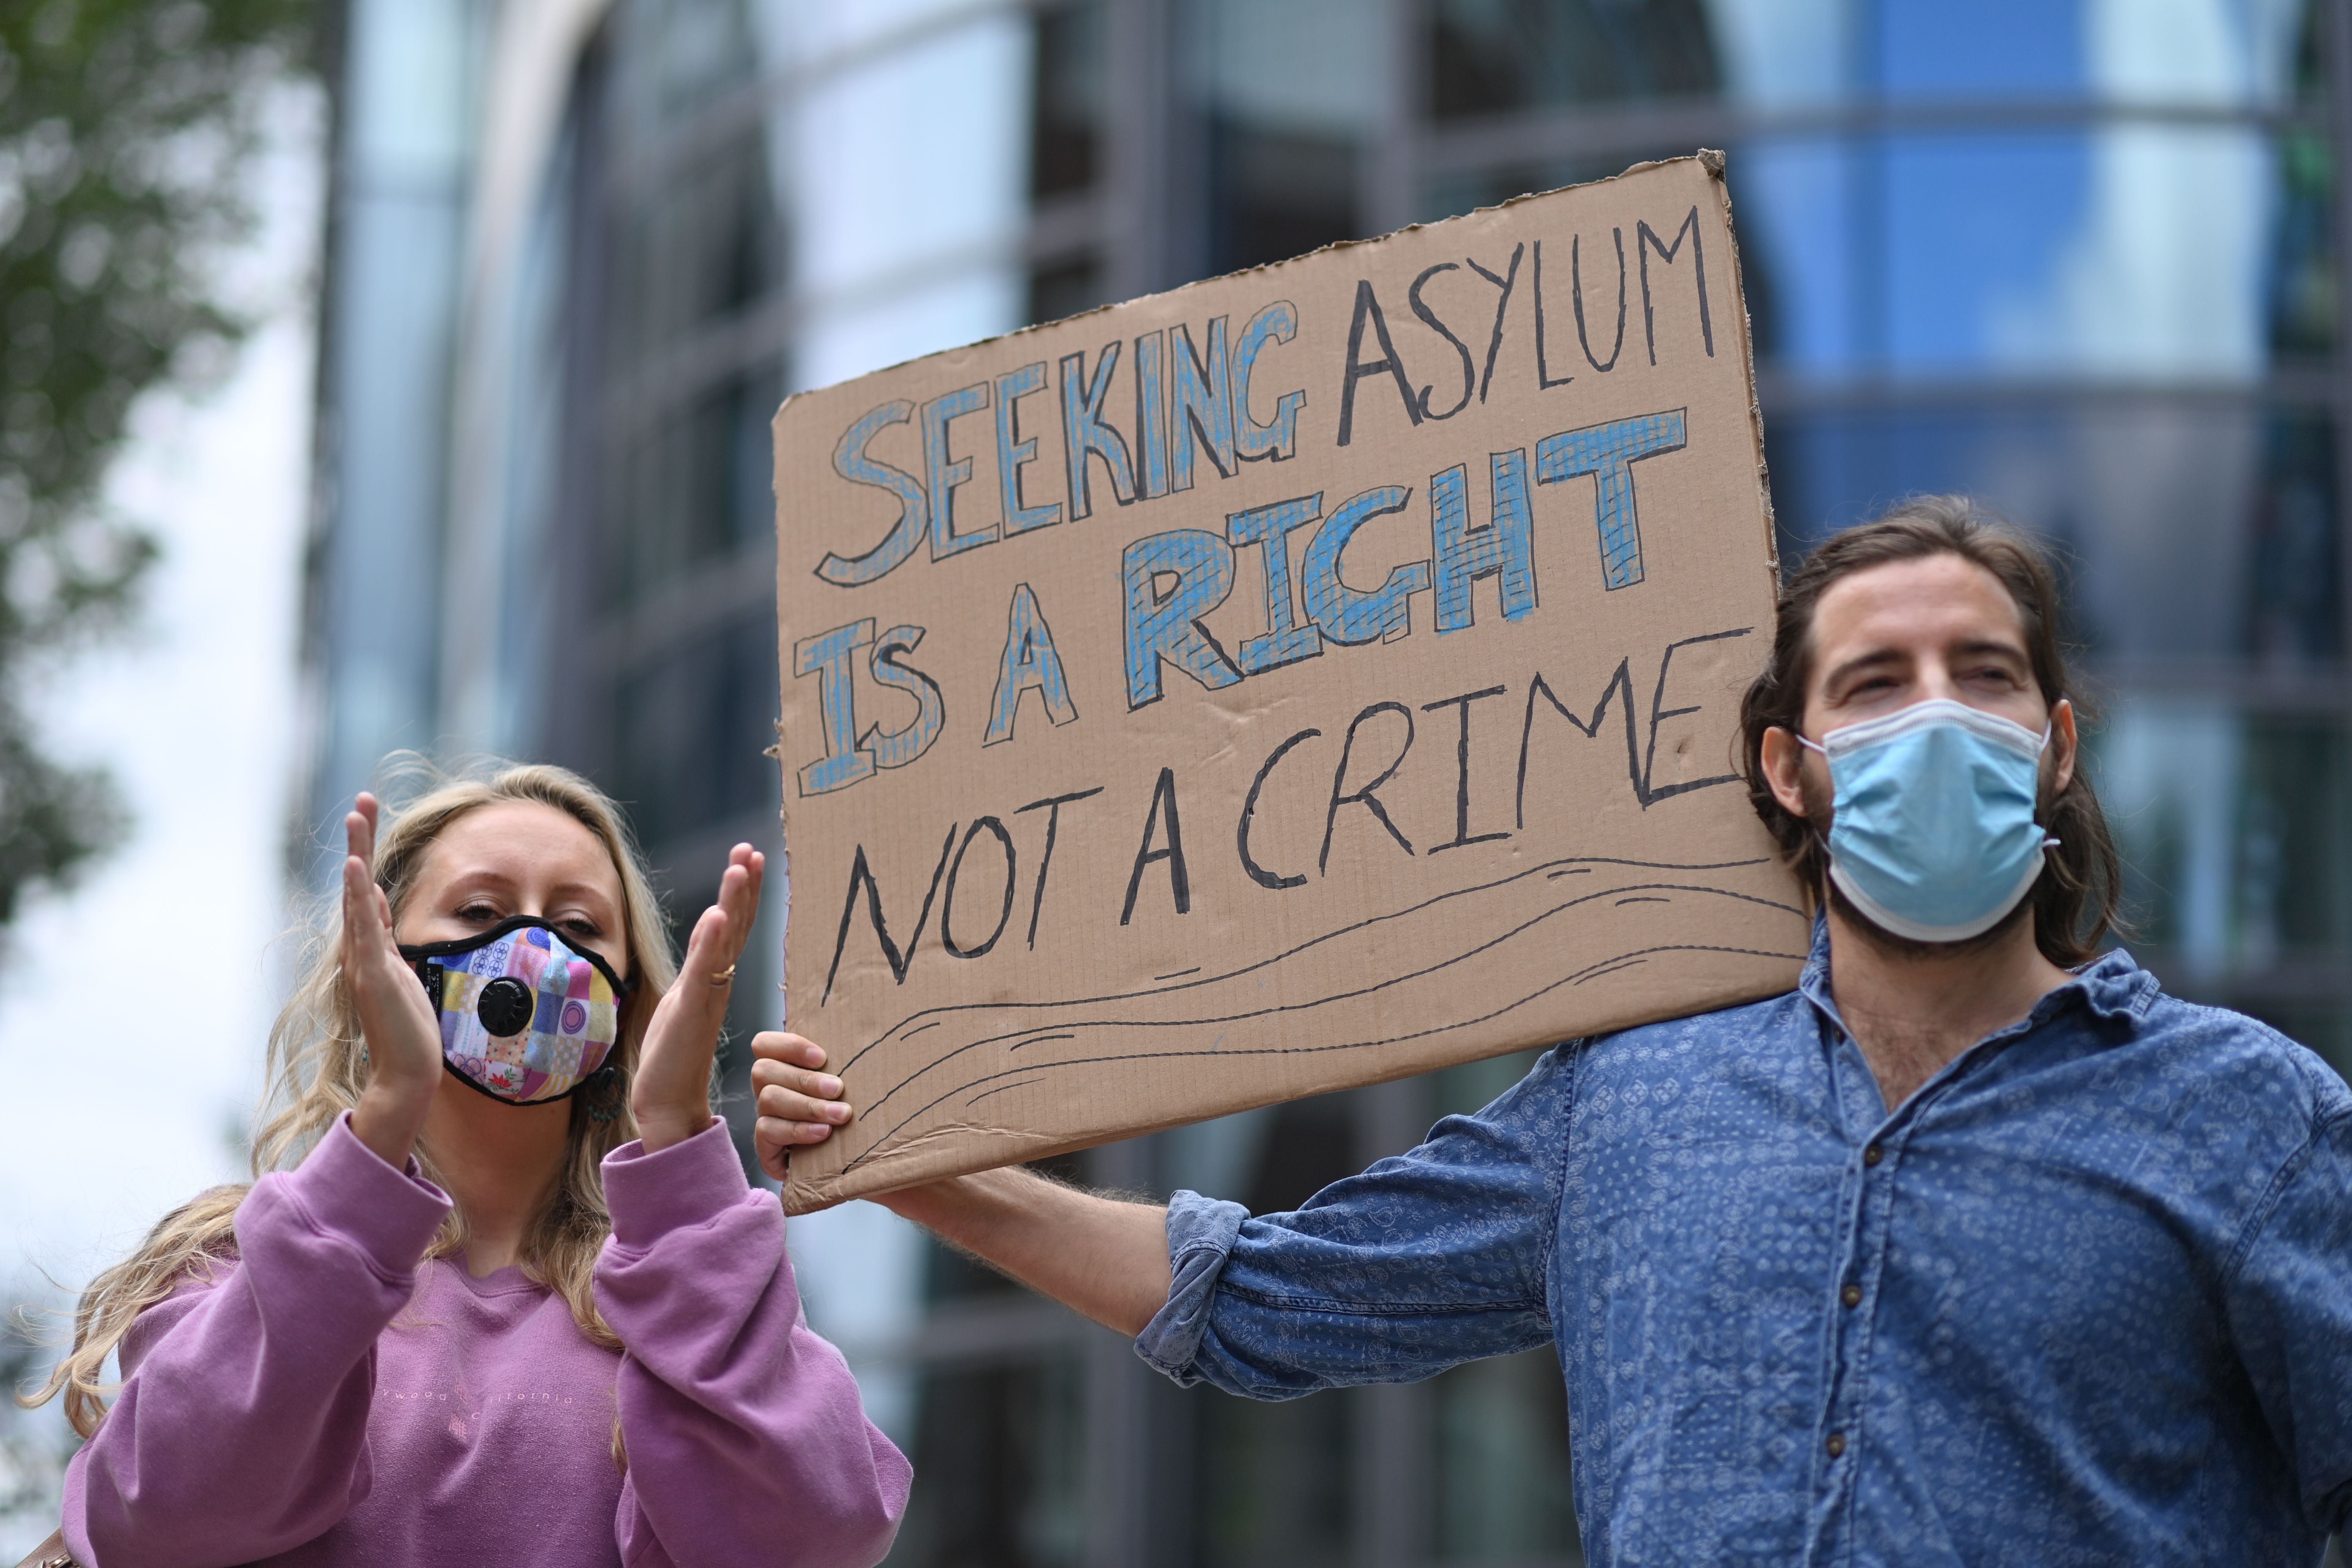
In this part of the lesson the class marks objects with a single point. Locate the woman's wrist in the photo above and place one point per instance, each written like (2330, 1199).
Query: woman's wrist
(658, 1127)
(388, 1120)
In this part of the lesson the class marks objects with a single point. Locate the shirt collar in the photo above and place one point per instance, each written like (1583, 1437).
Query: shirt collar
(2111, 985)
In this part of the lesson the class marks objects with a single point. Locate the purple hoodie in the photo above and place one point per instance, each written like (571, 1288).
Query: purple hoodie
(331, 1398)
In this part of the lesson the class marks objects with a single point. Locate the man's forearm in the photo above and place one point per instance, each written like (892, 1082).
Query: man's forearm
(1106, 1259)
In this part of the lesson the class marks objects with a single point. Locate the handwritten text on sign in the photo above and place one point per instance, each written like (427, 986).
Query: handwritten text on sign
(1298, 679)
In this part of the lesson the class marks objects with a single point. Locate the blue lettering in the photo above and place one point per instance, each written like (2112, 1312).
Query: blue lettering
(903, 745)
(826, 657)
(1013, 454)
(1029, 660)
(1608, 452)
(1200, 406)
(1347, 615)
(948, 477)
(1151, 413)
(1504, 549)
(1168, 626)
(850, 461)
(1083, 430)
(1277, 323)
(1270, 526)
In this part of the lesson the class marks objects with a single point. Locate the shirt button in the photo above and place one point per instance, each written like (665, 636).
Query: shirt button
(1851, 1295)
(1872, 1155)
(1836, 1443)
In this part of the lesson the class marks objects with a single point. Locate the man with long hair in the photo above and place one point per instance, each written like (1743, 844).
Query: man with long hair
(1975, 1248)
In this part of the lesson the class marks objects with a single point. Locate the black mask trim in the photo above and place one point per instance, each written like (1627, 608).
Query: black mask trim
(425, 959)
(420, 957)
(598, 1079)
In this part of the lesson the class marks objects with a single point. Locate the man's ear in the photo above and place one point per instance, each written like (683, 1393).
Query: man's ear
(1783, 758)
(2062, 744)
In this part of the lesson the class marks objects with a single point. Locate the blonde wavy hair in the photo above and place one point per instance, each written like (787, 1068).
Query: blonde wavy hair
(317, 1068)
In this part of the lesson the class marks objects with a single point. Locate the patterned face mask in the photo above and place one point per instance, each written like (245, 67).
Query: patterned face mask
(525, 1017)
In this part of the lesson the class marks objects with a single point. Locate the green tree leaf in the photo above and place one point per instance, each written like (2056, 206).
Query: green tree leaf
(125, 130)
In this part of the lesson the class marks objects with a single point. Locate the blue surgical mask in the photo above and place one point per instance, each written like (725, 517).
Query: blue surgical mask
(1933, 835)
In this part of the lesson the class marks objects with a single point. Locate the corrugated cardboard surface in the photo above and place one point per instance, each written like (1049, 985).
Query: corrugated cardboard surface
(1095, 830)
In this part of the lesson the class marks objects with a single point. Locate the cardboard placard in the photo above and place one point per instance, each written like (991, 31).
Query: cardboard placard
(1302, 678)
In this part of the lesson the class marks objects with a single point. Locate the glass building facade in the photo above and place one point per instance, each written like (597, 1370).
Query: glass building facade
(2078, 257)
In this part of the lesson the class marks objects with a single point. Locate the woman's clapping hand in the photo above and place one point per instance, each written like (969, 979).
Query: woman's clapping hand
(671, 1095)
(396, 1023)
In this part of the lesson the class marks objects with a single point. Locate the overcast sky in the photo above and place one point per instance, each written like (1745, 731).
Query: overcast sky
(133, 1008)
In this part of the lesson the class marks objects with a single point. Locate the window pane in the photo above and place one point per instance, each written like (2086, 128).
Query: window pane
(1065, 289)
(693, 246)
(2134, 252)
(1491, 56)
(1500, 1428)
(688, 725)
(1282, 99)
(1502, 1487)
(2305, 301)
(1989, 46)
(2206, 53)
(998, 1453)
(694, 485)
(1273, 1481)
(2236, 831)
(672, 55)
(2195, 530)
(1468, 1087)
(1461, 191)
(1067, 98)
(1277, 193)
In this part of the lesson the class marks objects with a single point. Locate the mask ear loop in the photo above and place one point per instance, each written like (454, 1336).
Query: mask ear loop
(2050, 728)
(1821, 842)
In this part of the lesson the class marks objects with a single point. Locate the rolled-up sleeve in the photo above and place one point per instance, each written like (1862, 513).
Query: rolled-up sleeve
(1435, 1258)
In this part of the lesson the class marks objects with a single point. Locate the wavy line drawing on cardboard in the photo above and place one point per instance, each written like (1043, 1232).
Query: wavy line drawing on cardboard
(949, 1060)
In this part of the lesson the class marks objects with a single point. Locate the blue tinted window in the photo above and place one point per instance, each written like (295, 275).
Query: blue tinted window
(1936, 48)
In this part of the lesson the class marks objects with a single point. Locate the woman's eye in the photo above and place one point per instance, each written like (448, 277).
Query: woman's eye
(481, 914)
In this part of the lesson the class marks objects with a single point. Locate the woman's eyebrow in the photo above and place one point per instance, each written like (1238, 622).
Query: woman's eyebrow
(585, 892)
(480, 879)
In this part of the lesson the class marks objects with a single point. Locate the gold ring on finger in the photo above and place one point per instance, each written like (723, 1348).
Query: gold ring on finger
(724, 977)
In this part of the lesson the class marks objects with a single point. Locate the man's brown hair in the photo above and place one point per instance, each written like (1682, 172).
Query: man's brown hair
(2074, 900)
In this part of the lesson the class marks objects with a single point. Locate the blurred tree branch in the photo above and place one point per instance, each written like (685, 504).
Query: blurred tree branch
(125, 130)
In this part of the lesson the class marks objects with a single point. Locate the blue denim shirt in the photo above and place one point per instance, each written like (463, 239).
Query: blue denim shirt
(2085, 1298)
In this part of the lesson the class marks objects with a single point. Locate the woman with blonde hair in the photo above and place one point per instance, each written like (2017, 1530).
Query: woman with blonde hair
(500, 1292)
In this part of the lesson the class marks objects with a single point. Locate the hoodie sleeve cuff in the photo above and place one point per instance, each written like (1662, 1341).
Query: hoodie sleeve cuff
(1201, 1233)
(689, 1183)
(348, 1191)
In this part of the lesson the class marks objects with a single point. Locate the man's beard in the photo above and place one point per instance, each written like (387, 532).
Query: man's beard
(1819, 813)
(1904, 947)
